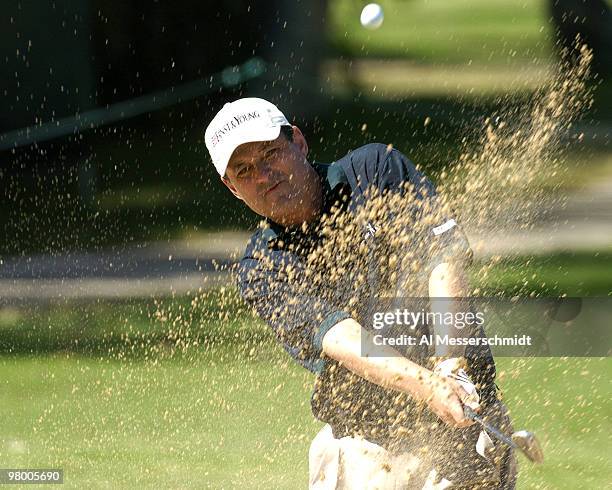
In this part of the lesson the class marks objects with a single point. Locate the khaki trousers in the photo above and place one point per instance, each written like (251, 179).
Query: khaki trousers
(353, 463)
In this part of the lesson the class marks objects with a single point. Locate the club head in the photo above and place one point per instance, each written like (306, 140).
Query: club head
(527, 442)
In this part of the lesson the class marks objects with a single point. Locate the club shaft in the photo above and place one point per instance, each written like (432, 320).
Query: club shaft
(495, 432)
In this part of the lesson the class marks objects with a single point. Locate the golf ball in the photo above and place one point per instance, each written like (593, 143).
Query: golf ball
(372, 16)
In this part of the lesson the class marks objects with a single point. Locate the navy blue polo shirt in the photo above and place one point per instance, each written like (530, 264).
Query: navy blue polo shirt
(273, 250)
(273, 279)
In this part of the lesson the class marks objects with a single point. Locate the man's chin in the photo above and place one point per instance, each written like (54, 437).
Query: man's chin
(278, 216)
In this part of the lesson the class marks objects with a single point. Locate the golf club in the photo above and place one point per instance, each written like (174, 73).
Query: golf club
(523, 440)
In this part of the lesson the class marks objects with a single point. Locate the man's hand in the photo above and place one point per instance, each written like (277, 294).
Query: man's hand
(446, 400)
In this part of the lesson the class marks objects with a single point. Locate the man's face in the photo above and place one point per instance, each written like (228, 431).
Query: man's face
(275, 180)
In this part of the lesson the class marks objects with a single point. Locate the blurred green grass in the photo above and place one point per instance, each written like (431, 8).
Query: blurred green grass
(446, 31)
(571, 274)
(194, 392)
(227, 421)
(220, 419)
(207, 421)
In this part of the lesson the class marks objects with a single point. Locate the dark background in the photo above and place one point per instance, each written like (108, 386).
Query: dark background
(148, 177)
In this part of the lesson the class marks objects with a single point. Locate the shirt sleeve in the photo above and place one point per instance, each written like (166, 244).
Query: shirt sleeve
(273, 283)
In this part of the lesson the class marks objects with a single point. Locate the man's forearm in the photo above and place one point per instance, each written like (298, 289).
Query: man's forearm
(343, 342)
(390, 370)
(448, 285)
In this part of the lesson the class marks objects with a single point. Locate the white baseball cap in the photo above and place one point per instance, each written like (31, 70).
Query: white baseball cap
(242, 121)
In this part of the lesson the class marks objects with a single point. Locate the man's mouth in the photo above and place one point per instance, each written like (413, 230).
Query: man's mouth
(271, 188)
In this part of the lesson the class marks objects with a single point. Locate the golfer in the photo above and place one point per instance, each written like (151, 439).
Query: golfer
(394, 419)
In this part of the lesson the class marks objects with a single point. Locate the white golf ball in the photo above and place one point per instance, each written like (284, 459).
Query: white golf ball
(372, 16)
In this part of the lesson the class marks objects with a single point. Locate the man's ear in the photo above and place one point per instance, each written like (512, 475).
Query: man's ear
(231, 187)
(300, 141)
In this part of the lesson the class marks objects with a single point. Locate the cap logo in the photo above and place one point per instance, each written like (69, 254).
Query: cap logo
(231, 124)
(278, 120)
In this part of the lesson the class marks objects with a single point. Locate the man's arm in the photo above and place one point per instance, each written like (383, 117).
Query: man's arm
(447, 286)
(297, 315)
(443, 396)
(263, 286)
(448, 280)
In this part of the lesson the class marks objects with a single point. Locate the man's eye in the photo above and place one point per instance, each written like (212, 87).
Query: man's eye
(243, 172)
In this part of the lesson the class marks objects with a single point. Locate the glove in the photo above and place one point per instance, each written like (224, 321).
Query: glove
(451, 368)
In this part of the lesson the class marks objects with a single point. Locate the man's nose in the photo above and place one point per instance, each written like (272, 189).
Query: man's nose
(263, 173)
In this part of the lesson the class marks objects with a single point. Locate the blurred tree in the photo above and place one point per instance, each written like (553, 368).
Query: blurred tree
(47, 75)
(45, 66)
(294, 47)
(146, 46)
(141, 49)
(592, 21)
